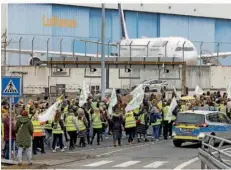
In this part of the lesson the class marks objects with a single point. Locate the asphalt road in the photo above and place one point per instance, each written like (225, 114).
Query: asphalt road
(150, 155)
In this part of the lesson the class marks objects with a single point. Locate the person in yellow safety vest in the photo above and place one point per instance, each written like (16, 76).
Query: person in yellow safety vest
(57, 131)
(142, 125)
(71, 127)
(155, 121)
(222, 107)
(63, 117)
(83, 124)
(39, 135)
(166, 124)
(96, 125)
(183, 107)
(130, 126)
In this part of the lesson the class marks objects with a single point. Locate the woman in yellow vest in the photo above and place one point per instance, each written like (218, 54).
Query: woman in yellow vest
(71, 127)
(130, 126)
(83, 124)
(142, 124)
(57, 131)
(96, 125)
(39, 134)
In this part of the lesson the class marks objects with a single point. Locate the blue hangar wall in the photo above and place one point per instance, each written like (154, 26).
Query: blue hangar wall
(31, 20)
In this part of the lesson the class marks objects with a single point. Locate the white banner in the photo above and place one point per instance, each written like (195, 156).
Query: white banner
(84, 94)
(139, 89)
(171, 108)
(136, 101)
(177, 94)
(113, 101)
(49, 113)
(198, 90)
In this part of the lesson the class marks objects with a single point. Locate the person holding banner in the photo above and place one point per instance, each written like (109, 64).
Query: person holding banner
(130, 126)
(96, 125)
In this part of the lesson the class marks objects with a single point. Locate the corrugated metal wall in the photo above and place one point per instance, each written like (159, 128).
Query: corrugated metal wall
(223, 34)
(27, 19)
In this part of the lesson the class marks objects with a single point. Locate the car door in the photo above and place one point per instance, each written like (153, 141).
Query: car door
(215, 125)
(153, 84)
(227, 125)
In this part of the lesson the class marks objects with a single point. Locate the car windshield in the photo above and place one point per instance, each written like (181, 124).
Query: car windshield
(143, 81)
(190, 118)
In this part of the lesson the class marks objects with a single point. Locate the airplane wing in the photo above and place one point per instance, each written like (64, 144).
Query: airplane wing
(220, 54)
(66, 54)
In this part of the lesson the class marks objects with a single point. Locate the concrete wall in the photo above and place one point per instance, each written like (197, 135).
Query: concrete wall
(39, 77)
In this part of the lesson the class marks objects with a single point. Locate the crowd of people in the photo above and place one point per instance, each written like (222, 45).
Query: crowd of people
(80, 125)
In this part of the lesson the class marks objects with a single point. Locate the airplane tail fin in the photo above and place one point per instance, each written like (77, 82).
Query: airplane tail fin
(122, 22)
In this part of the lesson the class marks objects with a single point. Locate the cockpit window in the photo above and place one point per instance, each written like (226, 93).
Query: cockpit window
(185, 49)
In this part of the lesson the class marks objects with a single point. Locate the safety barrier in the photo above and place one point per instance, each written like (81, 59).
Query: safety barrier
(212, 157)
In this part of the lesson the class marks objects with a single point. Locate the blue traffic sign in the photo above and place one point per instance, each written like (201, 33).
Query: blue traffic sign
(11, 86)
(14, 100)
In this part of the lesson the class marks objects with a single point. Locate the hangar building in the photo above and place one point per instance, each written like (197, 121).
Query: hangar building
(207, 23)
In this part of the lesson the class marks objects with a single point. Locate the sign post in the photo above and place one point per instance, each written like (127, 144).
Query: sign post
(11, 87)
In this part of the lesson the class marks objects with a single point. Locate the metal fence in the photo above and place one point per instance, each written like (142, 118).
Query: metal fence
(212, 157)
(73, 45)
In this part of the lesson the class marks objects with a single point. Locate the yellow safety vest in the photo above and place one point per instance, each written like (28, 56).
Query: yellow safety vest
(65, 110)
(130, 120)
(96, 124)
(82, 127)
(2, 131)
(48, 125)
(38, 128)
(222, 108)
(173, 117)
(136, 111)
(158, 122)
(27, 108)
(165, 111)
(183, 108)
(141, 118)
(70, 126)
(159, 104)
(57, 129)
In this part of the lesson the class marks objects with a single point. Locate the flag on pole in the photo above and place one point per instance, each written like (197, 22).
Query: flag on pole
(198, 90)
(171, 108)
(84, 94)
(136, 101)
(113, 101)
(177, 94)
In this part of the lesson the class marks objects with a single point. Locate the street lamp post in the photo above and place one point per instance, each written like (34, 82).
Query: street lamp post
(103, 53)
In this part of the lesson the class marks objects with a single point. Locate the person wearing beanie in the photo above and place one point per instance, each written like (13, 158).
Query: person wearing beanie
(83, 125)
(24, 133)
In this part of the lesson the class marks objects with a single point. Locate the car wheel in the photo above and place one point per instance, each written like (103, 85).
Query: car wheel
(177, 143)
(146, 89)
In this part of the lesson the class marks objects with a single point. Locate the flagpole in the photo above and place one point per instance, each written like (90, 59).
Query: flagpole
(103, 54)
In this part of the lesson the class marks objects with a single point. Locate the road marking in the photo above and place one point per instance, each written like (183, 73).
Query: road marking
(98, 163)
(156, 164)
(184, 164)
(179, 167)
(127, 164)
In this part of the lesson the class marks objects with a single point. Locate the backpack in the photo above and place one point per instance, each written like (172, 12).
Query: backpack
(153, 118)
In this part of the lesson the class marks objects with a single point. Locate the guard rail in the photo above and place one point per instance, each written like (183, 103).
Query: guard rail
(212, 157)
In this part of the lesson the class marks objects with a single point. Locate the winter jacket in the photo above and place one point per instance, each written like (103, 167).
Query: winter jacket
(24, 131)
(117, 121)
(6, 123)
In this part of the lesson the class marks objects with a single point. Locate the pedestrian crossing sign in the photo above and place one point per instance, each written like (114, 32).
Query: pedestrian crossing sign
(11, 86)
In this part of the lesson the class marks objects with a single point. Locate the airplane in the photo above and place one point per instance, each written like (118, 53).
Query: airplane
(178, 47)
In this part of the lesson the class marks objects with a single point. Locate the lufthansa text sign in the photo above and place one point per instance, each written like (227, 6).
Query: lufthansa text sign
(58, 22)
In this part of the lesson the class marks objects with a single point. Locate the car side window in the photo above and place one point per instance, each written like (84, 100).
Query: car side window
(213, 117)
(224, 119)
(153, 82)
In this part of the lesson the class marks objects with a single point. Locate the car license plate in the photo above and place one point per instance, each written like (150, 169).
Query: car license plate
(188, 130)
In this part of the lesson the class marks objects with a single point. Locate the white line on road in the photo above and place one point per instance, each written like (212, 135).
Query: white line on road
(127, 164)
(98, 163)
(181, 166)
(156, 164)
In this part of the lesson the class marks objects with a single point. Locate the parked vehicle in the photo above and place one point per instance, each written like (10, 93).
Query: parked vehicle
(154, 85)
(108, 92)
(193, 126)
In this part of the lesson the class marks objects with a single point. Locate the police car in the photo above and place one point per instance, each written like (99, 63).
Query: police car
(192, 126)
